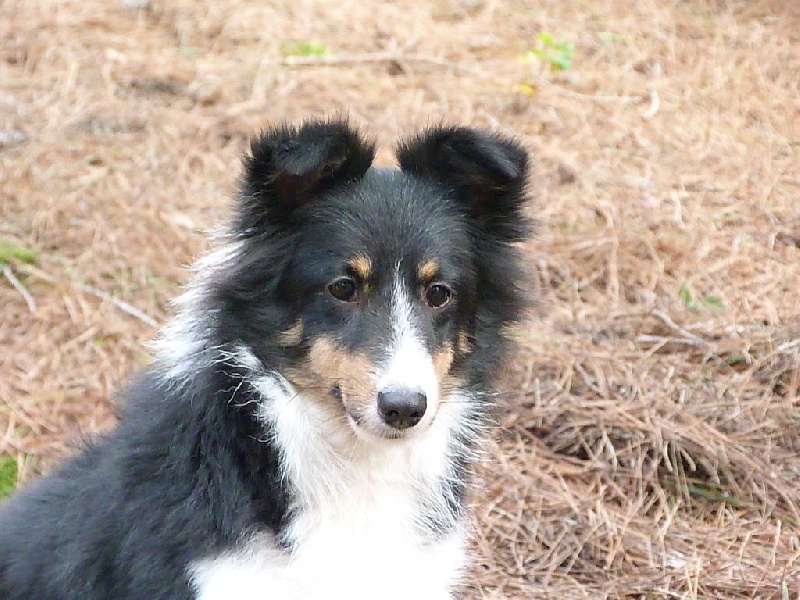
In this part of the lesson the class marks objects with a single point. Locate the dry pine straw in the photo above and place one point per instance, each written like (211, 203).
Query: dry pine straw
(648, 443)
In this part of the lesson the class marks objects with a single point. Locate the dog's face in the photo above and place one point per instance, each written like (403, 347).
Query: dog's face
(383, 291)
(368, 287)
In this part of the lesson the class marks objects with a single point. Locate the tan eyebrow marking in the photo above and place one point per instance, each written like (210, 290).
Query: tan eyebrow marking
(361, 265)
(428, 269)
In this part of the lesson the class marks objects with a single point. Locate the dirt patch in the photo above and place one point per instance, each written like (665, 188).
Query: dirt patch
(649, 443)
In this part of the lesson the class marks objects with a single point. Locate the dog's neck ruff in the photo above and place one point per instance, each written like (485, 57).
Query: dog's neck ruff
(331, 468)
(360, 508)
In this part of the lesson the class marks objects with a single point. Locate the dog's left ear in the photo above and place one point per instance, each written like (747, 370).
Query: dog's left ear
(288, 166)
(487, 172)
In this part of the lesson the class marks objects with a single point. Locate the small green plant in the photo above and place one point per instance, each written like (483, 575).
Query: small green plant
(709, 301)
(305, 49)
(8, 476)
(713, 302)
(557, 55)
(10, 252)
(686, 297)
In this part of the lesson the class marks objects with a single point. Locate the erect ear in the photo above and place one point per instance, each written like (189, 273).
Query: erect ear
(487, 172)
(288, 166)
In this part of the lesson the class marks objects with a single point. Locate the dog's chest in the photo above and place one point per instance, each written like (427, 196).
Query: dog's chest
(364, 547)
(361, 527)
(362, 522)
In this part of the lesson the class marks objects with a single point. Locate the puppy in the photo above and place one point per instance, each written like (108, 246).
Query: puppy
(307, 427)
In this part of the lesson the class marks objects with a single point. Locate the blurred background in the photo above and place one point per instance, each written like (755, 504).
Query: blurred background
(648, 443)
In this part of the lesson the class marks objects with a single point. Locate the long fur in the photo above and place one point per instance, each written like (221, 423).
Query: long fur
(251, 459)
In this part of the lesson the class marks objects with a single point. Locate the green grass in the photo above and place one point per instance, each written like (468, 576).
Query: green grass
(708, 301)
(715, 494)
(8, 476)
(704, 491)
(10, 252)
(305, 49)
(686, 296)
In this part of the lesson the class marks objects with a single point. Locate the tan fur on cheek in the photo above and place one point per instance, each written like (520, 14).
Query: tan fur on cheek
(329, 368)
(443, 360)
(463, 345)
(292, 336)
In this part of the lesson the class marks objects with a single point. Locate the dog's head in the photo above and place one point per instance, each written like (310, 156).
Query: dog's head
(377, 292)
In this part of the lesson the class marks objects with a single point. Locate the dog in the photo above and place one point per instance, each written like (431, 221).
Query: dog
(307, 426)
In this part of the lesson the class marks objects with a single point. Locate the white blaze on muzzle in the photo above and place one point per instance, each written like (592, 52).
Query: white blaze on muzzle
(409, 366)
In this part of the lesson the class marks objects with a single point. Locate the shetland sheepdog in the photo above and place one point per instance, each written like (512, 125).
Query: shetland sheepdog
(308, 424)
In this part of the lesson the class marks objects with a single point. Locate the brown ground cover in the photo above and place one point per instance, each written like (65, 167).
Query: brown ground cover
(649, 442)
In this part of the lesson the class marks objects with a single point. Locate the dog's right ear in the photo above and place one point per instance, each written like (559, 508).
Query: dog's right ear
(288, 166)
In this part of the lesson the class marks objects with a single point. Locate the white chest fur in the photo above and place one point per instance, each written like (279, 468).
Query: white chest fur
(334, 564)
(356, 531)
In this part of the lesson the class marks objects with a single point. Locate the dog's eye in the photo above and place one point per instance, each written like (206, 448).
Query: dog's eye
(343, 289)
(438, 295)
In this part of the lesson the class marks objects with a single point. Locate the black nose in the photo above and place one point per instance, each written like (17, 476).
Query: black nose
(402, 409)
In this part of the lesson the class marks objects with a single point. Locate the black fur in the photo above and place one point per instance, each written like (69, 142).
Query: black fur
(288, 166)
(182, 476)
(190, 470)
